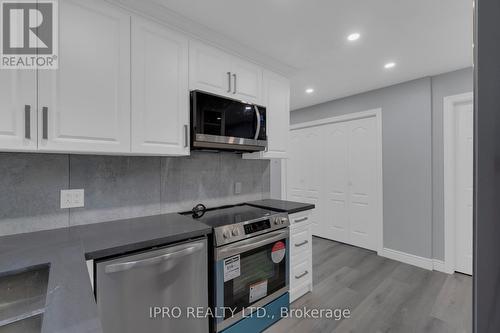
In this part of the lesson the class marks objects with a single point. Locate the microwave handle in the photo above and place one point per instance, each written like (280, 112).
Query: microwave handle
(257, 130)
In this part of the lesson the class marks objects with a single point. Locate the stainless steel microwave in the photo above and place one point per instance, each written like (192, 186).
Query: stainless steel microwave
(226, 124)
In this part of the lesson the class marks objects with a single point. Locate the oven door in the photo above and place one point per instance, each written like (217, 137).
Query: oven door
(250, 273)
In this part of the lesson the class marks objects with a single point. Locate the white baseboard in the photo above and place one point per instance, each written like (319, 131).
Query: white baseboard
(439, 265)
(407, 258)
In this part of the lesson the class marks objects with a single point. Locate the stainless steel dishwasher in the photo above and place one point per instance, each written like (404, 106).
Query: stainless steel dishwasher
(129, 287)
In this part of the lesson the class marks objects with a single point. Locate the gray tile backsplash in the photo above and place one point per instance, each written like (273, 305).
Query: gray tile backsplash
(29, 195)
(119, 187)
(116, 187)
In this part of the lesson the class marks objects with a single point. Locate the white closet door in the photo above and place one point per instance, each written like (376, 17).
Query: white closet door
(362, 182)
(464, 186)
(304, 172)
(335, 166)
(335, 169)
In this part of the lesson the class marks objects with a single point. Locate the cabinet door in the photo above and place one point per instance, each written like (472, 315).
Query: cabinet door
(160, 93)
(247, 81)
(17, 110)
(209, 70)
(277, 100)
(278, 114)
(85, 104)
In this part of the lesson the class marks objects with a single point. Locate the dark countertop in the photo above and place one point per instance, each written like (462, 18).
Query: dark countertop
(290, 207)
(70, 305)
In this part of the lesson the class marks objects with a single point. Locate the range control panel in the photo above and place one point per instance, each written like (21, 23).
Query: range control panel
(235, 232)
(257, 226)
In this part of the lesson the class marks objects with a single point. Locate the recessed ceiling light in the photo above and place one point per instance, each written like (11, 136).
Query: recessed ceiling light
(309, 90)
(354, 36)
(390, 65)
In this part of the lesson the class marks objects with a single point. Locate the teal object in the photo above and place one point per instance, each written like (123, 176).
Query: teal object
(253, 324)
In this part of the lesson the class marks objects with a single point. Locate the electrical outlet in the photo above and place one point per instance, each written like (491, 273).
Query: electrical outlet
(72, 198)
(237, 188)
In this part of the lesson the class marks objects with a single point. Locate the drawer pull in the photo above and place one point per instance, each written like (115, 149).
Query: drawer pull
(302, 244)
(301, 220)
(301, 275)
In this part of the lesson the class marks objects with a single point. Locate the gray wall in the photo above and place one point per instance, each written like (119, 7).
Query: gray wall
(409, 140)
(120, 187)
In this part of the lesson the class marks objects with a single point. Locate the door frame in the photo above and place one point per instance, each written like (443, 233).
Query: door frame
(377, 114)
(449, 132)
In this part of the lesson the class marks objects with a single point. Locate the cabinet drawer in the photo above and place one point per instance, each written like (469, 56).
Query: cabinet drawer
(300, 243)
(300, 218)
(301, 274)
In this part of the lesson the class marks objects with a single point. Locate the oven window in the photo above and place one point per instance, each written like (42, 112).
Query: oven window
(263, 272)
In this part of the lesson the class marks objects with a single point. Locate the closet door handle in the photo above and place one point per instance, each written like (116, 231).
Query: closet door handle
(27, 122)
(234, 88)
(45, 123)
(229, 82)
(186, 137)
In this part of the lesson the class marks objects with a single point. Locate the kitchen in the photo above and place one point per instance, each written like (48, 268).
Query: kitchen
(160, 175)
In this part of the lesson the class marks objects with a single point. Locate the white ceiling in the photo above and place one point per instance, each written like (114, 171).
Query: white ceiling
(424, 37)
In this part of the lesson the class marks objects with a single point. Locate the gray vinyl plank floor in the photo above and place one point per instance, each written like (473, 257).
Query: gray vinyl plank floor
(383, 295)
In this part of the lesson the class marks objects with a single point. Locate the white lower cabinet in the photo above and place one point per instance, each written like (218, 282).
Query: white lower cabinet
(301, 273)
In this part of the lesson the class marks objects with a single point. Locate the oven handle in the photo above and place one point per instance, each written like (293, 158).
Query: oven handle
(257, 130)
(250, 244)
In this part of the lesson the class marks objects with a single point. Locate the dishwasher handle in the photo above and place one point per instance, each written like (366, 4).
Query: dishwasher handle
(184, 251)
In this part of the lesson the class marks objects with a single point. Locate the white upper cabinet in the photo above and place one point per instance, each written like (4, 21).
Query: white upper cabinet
(209, 70)
(84, 106)
(247, 81)
(214, 71)
(160, 92)
(18, 110)
(277, 101)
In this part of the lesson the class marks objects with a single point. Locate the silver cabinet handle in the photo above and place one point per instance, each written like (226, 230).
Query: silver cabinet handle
(27, 121)
(186, 137)
(184, 251)
(229, 82)
(234, 88)
(302, 244)
(301, 275)
(303, 219)
(45, 123)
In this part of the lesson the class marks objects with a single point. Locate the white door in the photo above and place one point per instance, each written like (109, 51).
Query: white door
(335, 171)
(18, 110)
(84, 106)
(303, 172)
(209, 70)
(336, 167)
(363, 198)
(464, 139)
(247, 81)
(160, 93)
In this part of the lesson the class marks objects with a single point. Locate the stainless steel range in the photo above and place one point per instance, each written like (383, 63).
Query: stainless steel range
(250, 265)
